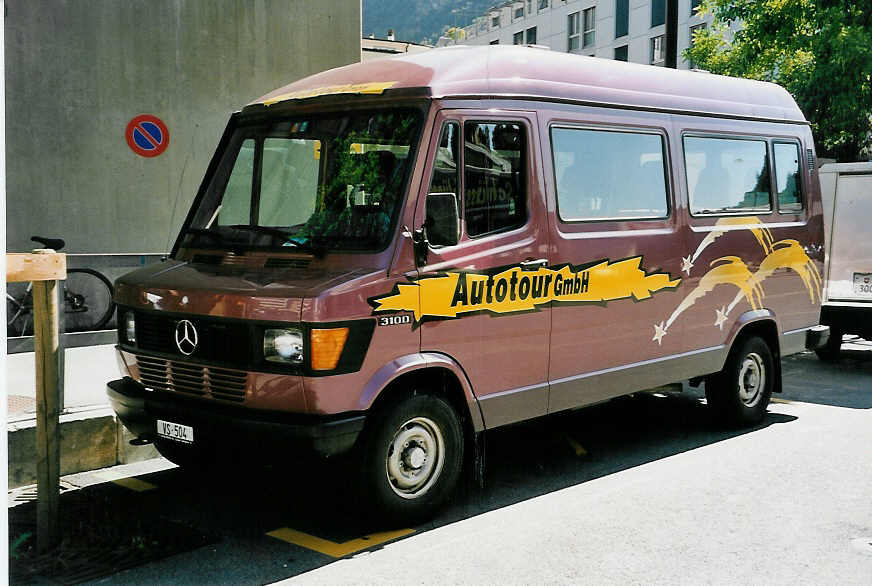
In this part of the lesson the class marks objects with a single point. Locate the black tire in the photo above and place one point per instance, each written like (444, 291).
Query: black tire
(19, 309)
(740, 393)
(409, 486)
(831, 350)
(88, 303)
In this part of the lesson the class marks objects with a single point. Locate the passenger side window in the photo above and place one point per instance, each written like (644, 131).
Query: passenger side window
(445, 167)
(495, 161)
(604, 175)
(727, 175)
(787, 178)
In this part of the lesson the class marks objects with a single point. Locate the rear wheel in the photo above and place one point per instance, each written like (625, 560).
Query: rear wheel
(414, 452)
(830, 351)
(88, 301)
(740, 393)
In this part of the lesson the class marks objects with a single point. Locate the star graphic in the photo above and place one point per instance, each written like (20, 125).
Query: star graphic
(686, 264)
(659, 332)
(721, 317)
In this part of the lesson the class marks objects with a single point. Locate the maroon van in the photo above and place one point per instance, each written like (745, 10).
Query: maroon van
(394, 257)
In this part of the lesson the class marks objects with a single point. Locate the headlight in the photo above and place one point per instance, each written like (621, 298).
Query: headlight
(283, 346)
(129, 327)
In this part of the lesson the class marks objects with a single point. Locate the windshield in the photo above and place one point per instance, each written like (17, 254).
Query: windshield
(320, 183)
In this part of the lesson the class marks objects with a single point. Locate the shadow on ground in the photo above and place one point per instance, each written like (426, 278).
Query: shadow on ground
(234, 508)
(846, 382)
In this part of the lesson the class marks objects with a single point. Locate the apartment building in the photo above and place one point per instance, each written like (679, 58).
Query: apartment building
(626, 30)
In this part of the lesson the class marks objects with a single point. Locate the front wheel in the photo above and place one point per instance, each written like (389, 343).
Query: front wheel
(414, 453)
(739, 394)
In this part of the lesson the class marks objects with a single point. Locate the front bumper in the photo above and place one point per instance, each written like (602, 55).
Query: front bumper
(218, 424)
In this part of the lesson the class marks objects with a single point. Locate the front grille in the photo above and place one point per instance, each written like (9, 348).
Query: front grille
(192, 379)
(218, 340)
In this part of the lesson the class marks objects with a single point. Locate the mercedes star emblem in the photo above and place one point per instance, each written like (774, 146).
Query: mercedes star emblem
(186, 337)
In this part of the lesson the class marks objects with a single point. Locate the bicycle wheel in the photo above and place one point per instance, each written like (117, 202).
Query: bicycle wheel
(88, 301)
(19, 309)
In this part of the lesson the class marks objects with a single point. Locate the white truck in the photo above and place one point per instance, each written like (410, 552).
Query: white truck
(846, 190)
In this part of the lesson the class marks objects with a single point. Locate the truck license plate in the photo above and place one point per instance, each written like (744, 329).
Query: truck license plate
(863, 284)
(175, 431)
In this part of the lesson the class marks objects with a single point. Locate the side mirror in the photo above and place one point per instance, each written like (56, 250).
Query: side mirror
(443, 219)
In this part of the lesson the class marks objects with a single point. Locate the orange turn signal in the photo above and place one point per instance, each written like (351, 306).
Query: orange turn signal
(327, 347)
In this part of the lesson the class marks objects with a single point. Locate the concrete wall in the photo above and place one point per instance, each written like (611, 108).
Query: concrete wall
(79, 70)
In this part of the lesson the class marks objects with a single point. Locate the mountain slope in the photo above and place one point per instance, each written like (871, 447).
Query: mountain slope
(419, 21)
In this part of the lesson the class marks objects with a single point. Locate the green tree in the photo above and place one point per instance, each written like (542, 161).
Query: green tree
(819, 50)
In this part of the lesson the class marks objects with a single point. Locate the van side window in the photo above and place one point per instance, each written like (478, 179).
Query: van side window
(787, 178)
(727, 175)
(608, 174)
(445, 167)
(495, 162)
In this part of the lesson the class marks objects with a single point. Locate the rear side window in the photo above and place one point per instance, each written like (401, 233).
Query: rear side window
(608, 175)
(495, 162)
(788, 183)
(727, 175)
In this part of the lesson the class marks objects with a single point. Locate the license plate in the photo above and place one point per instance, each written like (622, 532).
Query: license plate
(175, 431)
(863, 284)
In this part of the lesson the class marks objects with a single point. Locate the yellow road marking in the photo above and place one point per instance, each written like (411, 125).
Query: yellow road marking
(333, 549)
(131, 483)
(579, 449)
(785, 401)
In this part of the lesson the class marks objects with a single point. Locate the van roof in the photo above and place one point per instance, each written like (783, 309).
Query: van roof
(496, 71)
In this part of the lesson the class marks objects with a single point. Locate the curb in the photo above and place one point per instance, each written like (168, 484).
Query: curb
(90, 439)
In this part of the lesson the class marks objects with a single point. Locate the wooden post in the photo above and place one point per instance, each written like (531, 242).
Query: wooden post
(48, 466)
(48, 409)
(44, 267)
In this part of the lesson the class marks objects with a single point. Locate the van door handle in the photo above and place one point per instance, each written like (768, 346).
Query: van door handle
(534, 264)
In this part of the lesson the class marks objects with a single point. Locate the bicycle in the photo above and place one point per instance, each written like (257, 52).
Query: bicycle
(88, 303)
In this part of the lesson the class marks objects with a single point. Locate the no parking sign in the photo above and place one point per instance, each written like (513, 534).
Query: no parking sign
(147, 135)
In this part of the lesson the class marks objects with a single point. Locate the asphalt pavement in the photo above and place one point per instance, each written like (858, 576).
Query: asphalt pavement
(640, 490)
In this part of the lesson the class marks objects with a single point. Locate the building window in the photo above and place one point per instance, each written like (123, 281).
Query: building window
(531, 36)
(572, 31)
(694, 6)
(482, 25)
(518, 38)
(529, 6)
(543, 4)
(622, 18)
(658, 49)
(728, 175)
(589, 27)
(495, 42)
(621, 53)
(519, 11)
(608, 175)
(495, 21)
(658, 12)
(693, 31)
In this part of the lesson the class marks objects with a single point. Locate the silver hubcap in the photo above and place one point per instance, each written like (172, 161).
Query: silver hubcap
(752, 379)
(415, 457)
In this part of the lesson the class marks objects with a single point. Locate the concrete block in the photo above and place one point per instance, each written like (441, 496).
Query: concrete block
(88, 441)
(127, 454)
